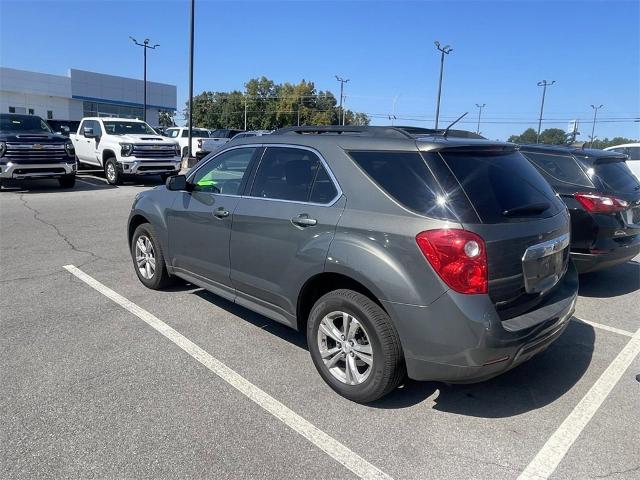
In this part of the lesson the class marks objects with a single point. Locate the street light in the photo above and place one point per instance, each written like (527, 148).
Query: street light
(544, 84)
(446, 50)
(145, 46)
(342, 82)
(480, 107)
(593, 127)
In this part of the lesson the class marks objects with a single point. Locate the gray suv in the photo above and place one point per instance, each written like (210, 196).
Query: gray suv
(435, 257)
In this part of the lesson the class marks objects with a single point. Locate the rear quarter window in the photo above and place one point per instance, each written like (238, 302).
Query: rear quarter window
(559, 169)
(616, 177)
(406, 178)
(496, 182)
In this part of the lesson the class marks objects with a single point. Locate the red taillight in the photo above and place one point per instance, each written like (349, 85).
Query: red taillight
(599, 203)
(458, 257)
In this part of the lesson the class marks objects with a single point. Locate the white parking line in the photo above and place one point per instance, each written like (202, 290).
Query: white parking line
(552, 453)
(605, 327)
(328, 444)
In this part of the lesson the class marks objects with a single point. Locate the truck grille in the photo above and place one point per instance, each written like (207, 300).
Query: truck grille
(35, 152)
(154, 151)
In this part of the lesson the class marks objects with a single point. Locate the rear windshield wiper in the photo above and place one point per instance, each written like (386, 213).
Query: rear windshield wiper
(532, 208)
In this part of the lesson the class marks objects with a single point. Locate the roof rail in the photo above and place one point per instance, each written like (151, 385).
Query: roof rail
(421, 132)
(346, 129)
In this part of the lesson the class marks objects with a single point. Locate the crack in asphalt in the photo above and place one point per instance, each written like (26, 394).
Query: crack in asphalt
(618, 472)
(37, 215)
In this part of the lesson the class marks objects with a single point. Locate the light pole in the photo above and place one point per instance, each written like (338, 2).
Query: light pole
(544, 84)
(145, 46)
(446, 50)
(593, 127)
(193, 11)
(342, 82)
(480, 107)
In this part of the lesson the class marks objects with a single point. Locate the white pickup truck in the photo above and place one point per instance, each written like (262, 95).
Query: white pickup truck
(181, 135)
(124, 147)
(216, 140)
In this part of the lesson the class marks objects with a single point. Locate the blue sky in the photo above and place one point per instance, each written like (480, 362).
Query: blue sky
(501, 50)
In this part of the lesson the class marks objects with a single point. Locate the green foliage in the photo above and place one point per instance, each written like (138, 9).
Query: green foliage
(553, 136)
(604, 143)
(165, 119)
(528, 136)
(269, 106)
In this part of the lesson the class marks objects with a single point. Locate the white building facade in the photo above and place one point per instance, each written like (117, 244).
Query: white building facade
(82, 93)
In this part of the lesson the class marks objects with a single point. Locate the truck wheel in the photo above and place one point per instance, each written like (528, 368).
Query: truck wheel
(164, 176)
(112, 172)
(148, 259)
(4, 183)
(68, 181)
(354, 346)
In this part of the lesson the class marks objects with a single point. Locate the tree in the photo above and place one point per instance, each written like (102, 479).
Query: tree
(604, 143)
(553, 136)
(165, 119)
(528, 136)
(268, 106)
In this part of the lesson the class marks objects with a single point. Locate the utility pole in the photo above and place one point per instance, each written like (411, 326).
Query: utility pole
(145, 46)
(193, 10)
(544, 84)
(480, 107)
(342, 82)
(593, 127)
(446, 50)
(245, 113)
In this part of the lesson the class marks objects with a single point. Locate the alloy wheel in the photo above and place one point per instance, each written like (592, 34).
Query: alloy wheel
(345, 348)
(145, 257)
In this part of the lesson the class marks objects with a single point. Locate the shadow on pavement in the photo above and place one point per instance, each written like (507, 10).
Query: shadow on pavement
(534, 384)
(611, 282)
(49, 185)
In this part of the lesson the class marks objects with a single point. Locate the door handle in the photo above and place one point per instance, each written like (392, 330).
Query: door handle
(303, 220)
(221, 213)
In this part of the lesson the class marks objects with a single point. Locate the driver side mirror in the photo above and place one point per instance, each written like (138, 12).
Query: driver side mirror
(177, 183)
(88, 132)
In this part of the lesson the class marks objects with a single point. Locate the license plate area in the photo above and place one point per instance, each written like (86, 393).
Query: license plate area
(544, 264)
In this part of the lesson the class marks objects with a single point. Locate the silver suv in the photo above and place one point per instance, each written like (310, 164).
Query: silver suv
(398, 254)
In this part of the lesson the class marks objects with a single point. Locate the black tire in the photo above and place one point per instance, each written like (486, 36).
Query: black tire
(114, 177)
(4, 183)
(164, 176)
(68, 181)
(160, 278)
(388, 368)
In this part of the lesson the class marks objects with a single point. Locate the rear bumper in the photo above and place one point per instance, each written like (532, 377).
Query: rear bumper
(589, 262)
(461, 339)
(147, 167)
(21, 171)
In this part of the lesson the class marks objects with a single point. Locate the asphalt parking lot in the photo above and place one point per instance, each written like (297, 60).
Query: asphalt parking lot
(91, 390)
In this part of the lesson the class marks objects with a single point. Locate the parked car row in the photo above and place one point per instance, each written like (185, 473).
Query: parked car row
(434, 255)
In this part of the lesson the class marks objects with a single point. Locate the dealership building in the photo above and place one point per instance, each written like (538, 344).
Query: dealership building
(82, 94)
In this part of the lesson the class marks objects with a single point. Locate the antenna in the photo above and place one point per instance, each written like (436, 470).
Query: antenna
(446, 130)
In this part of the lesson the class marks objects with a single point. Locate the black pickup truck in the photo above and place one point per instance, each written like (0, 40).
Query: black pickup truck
(29, 149)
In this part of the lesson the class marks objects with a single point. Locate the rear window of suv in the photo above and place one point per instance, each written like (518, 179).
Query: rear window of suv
(559, 169)
(406, 178)
(616, 176)
(497, 182)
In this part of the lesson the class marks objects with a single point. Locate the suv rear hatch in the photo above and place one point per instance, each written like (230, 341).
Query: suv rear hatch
(524, 224)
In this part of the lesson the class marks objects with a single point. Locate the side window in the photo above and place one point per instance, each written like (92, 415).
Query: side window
(224, 173)
(634, 153)
(97, 130)
(185, 133)
(559, 169)
(173, 133)
(286, 174)
(323, 189)
(84, 123)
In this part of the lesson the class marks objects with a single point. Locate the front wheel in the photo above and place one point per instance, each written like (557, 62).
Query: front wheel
(112, 172)
(355, 346)
(148, 258)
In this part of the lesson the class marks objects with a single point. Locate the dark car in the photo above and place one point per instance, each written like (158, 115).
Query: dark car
(603, 197)
(64, 127)
(29, 150)
(394, 253)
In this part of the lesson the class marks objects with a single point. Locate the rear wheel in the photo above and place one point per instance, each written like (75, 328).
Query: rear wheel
(112, 172)
(164, 176)
(68, 181)
(148, 258)
(354, 346)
